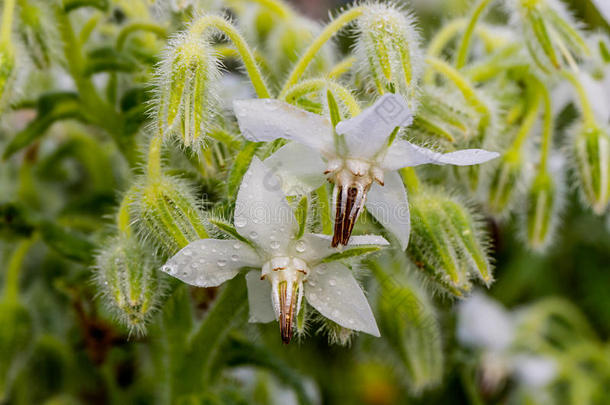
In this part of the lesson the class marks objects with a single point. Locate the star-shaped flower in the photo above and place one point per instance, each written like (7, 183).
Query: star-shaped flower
(292, 263)
(360, 156)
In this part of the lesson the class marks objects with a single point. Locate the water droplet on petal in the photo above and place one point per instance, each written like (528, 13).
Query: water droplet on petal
(253, 235)
(236, 246)
(275, 244)
(300, 246)
(234, 258)
(332, 282)
(187, 252)
(313, 296)
(221, 263)
(240, 222)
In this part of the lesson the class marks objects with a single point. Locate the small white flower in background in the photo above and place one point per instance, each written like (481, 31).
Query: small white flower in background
(482, 322)
(360, 157)
(534, 371)
(292, 267)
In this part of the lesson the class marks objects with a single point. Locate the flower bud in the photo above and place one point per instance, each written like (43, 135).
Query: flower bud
(591, 151)
(126, 275)
(505, 181)
(166, 213)
(15, 337)
(541, 210)
(185, 84)
(388, 48)
(447, 243)
(410, 325)
(551, 35)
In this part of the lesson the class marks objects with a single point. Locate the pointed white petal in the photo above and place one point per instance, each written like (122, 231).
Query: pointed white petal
(210, 262)
(334, 292)
(389, 205)
(259, 298)
(405, 154)
(300, 168)
(262, 213)
(368, 132)
(268, 119)
(313, 247)
(604, 8)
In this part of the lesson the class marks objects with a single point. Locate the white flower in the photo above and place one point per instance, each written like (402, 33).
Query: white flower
(292, 268)
(356, 154)
(534, 371)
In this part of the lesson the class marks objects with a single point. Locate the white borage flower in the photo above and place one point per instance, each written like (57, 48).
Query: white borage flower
(292, 266)
(358, 152)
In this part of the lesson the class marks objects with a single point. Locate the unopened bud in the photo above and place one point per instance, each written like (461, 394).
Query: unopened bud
(542, 206)
(126, 274)
(552, 37)
(409, 324)
(446, 242)
(505, 181)
(185, 84)
(166, 213)
(591, 149)
(388, 47)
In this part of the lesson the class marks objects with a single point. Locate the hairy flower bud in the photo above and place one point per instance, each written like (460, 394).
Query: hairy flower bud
(408, 322)
(551, 35)
(447, 242)
(591, 154)
(126, 274)
(505, 182)
(185, 88)
(388, 48)
(541, 210)
(166, 213)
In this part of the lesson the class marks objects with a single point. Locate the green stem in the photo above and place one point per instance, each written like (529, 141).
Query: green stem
(7, 22)
(330, 30)
(195, 371)
(219, 23)
(530, 118)
(11, 281)
(409, 177)
(461, 83)
(123, 216)
(153, 167)
(275, 6)
(547, 126)
(342, 67)
(585, 105)
(462, 53)
(309, 86)
(139, 26)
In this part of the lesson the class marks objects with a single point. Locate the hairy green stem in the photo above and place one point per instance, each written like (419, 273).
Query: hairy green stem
(309, 86)
(138, 26)
(464, 47)
(585, 105)
(275, 6)
(219, 23)
(533, 105)
(153, 167)
(342, 67)
(330, 30)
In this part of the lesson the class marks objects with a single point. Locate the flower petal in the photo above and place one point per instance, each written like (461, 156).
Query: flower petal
(313, 247)
(389, 205)
(262, 213)
(334, 292)
(604, 8)
(405, 154)
(259, 298)
(210, 262)
(268, 119)
(300, 168)
(368, 132)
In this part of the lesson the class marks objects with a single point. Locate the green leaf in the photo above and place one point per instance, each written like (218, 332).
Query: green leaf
(228, 229)
(335, 114)
(107, 59)
(352, 252)
(51, 108)
(240, 166)
(301, 215)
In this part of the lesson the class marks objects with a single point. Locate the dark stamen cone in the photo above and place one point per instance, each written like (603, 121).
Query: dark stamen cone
(288, 300)
(349, 202)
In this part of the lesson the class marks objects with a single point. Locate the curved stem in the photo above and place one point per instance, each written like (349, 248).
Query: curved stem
(212, 21)
(462, 84)
(312, 85)
(330, 30)
(11, 280)
(275, 6)
(462, 53)
(7, 22)
(530, 118)
(138, 26)
(409, 177)
(342, 67)
(585, 105)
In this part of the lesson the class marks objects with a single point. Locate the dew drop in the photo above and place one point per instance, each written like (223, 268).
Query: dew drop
(351, 321)
(300, 247)
(253, 235)
(240, 222)
(236, 246)
(221, 263)
(194, 265)
(234, 258)
(187, 252)
(275, 244)
(332, 282)
(313, 296)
